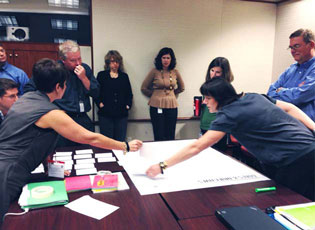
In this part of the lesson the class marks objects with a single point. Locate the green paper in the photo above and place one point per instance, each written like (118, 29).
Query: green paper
(59, 196)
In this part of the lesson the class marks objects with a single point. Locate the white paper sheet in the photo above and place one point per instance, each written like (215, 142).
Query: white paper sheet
(85, 161)
(68, 162)
(106, 159)
(82, 156)
(209, 168)
(84, 151)
(89, 171)
(39, 169)
(102, 155)
(88, 206)
(60, 154)
(84, 166)
(62, 158)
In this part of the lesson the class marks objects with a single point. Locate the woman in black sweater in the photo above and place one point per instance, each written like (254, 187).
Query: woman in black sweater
(115, 97)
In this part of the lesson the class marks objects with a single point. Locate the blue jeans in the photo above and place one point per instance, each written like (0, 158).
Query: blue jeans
(115, 128)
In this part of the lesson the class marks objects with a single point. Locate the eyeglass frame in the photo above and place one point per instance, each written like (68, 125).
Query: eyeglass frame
(12, 96)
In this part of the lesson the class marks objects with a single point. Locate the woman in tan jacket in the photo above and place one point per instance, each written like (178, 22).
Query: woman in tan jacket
(162, 85)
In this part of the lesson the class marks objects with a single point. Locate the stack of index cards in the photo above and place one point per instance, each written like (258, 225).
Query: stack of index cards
(84, 162)
(65, 157)
(105, 157)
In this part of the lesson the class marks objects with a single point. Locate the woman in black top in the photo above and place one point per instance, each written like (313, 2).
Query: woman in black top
(115, 97)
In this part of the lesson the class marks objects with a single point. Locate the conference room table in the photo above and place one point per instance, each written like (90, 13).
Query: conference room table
(191, 209)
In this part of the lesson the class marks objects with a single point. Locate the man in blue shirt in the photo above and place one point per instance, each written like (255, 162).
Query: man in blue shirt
(11, 72)
(80, 86)
(297, 84)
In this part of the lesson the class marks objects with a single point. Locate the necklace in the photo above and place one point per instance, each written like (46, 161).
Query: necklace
(171, 81)
(113, 75)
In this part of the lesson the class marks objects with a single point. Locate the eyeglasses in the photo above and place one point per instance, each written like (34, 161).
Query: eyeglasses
(12, 96)
(294, 47)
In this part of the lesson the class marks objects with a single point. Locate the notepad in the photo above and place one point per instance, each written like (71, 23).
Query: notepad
(77, 183)
(302, 215)
(107, 182)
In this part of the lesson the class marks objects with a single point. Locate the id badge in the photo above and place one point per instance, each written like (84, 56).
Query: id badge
(159, 110)
(56, 169)
(81, 105)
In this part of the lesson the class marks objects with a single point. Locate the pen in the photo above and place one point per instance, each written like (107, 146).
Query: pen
(265, 189)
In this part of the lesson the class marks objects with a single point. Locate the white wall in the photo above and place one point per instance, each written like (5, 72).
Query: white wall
(198, 31)
(291, 16)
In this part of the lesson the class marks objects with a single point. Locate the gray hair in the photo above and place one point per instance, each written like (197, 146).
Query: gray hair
(68, 46)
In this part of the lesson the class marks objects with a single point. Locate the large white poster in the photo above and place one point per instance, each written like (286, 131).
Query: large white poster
(209, 168)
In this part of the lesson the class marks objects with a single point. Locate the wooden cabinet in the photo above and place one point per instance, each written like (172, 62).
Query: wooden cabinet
(25, 55)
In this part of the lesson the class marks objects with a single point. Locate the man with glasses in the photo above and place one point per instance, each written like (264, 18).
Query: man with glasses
(8, 95)
(11, 72)
(297, 84)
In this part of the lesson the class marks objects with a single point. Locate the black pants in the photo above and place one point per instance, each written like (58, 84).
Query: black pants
(83, 120)
(164, 124)
(115, 128)
(298, 176)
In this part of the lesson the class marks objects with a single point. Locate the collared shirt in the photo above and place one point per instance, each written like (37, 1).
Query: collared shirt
(1, 117)
(298, 83)
(12, 72)
(75, 92)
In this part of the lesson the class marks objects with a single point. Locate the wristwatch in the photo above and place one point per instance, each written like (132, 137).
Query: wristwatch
(163, 166)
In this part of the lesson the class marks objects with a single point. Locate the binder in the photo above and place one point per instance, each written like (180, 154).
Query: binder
(58, 197)
(247, 218)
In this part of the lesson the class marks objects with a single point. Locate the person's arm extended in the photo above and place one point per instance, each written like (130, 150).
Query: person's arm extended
(66, 127)
(208, 139)
(296, 113)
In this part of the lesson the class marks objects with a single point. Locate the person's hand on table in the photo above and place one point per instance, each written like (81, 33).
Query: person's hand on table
(153, 171)
(67, 172)
(134, 145)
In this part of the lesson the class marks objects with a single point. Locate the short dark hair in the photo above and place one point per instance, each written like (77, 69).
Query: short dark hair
(225, 66)
(6, 84)
(307, 35)
(221, 90)
(47, 73)
(114, 54)
(1, 45)
(158, 59)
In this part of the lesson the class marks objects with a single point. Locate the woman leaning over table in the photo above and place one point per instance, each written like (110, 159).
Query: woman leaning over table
(29, 132)
(162, 85)
(218, 67)
(277, 133)
(115, 97)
